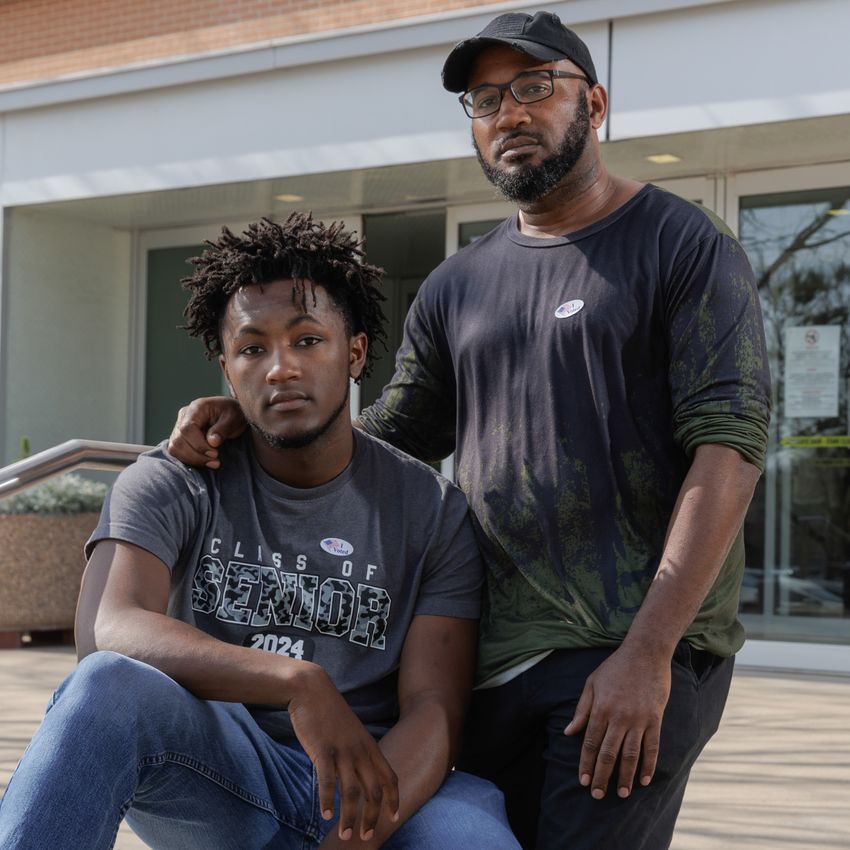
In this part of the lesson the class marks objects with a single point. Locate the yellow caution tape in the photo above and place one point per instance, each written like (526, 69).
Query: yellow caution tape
(830, 441)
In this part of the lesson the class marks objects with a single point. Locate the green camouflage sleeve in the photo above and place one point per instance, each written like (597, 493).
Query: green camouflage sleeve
(416, 410)
(719, 379)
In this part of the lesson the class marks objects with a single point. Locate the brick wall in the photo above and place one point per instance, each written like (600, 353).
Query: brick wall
(43, 39)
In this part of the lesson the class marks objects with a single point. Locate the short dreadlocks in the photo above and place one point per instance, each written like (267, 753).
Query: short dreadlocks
(304, 250)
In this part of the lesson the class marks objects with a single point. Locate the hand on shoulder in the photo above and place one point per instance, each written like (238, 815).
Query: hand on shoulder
(202, 426)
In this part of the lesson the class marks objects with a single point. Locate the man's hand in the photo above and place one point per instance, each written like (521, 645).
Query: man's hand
(620, 709)
(342, 751)
(202, 426)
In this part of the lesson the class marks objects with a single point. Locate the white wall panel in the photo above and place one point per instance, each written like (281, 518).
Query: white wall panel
(692, 67)
(67, 294)
(359, 113)
(731, 64)
(303, 120)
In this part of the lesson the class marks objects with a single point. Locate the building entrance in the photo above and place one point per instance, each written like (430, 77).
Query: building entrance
(797, 582)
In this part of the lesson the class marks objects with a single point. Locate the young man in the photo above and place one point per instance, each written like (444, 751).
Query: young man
(598, 365)
(288, 641)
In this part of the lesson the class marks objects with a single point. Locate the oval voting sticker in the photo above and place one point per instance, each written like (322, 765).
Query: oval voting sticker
(569, 308)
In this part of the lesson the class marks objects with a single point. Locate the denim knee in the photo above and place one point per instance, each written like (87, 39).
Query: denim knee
(110, 689)
(467, 811)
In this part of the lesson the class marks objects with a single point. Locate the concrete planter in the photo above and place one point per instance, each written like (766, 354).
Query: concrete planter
(41, 564)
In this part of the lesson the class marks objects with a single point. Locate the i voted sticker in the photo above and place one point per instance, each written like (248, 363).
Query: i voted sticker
(335, 546)
(569, 308)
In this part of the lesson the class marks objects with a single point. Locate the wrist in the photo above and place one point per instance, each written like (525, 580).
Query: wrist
(650, 645)
(299, 679)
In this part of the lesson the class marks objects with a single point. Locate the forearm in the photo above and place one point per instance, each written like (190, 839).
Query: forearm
(416, 410)
(422, 747)
(209, 668)
(426, 433)
(708, 514)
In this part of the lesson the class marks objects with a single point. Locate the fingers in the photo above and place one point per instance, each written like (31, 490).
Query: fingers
(226, 421)
(629, 758)
(392, 803)
(599, 751)
(372, 799)
(189, 445)
(191, 442)
(367, 786)
(651, 747)
(605, 742)
(382, 792)
(349, 801)
(326, 780)
(582, 714)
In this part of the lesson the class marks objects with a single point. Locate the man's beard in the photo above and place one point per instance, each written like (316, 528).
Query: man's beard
(301, 441)
(531, 183)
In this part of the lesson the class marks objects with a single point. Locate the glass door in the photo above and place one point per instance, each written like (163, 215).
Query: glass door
(176, 369)
(408, 246)
(797, 579)
(465, 224)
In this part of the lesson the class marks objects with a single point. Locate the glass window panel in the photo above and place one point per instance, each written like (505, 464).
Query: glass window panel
(469, 231)
(798, 528)
(176, 370)
(408, 246)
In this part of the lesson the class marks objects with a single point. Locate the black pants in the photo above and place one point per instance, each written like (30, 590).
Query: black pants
(514, 737)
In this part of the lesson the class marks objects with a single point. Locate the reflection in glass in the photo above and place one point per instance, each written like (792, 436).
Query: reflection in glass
(798, 528)
(469, 231)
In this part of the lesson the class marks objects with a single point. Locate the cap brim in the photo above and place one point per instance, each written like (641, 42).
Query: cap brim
(459, 62)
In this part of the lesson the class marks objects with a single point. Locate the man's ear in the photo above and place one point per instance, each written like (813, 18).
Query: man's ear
(223, 363)
(358, 346)
(597, 105)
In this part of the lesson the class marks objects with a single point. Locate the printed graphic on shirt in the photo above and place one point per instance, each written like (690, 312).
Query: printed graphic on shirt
(302, 648)
(266, 597)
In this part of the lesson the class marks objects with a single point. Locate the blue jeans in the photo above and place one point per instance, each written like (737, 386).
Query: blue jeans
(121, 739)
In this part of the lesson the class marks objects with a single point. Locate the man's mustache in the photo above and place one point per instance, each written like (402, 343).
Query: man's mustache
(502, 143)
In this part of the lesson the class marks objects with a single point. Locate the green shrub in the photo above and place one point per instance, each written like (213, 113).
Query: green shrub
(65, 494)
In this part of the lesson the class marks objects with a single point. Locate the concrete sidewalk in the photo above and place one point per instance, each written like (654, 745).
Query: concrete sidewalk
(777, 774)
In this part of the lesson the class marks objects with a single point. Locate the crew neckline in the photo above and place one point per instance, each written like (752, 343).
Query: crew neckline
(520, 238)
(278, 490)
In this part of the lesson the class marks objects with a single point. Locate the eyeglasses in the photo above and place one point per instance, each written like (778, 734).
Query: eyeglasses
(527, 87)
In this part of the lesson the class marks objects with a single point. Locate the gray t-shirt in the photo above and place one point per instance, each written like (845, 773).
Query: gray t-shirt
(331, 574)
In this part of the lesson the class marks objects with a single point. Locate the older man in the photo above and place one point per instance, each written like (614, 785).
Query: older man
(597, 363)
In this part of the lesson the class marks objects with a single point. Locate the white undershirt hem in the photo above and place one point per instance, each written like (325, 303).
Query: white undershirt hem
(512, 672)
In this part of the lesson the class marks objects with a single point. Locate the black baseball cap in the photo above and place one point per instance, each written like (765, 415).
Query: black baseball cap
(541, 35)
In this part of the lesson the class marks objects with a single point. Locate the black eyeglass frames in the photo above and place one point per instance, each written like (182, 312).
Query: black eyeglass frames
(527, 87)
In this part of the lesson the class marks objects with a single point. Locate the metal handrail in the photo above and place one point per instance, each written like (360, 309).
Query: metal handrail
(90, 454)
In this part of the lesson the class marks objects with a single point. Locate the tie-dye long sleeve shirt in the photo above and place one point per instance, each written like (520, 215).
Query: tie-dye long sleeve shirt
(574, 378)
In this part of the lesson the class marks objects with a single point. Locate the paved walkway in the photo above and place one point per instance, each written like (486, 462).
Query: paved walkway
(775, 777)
